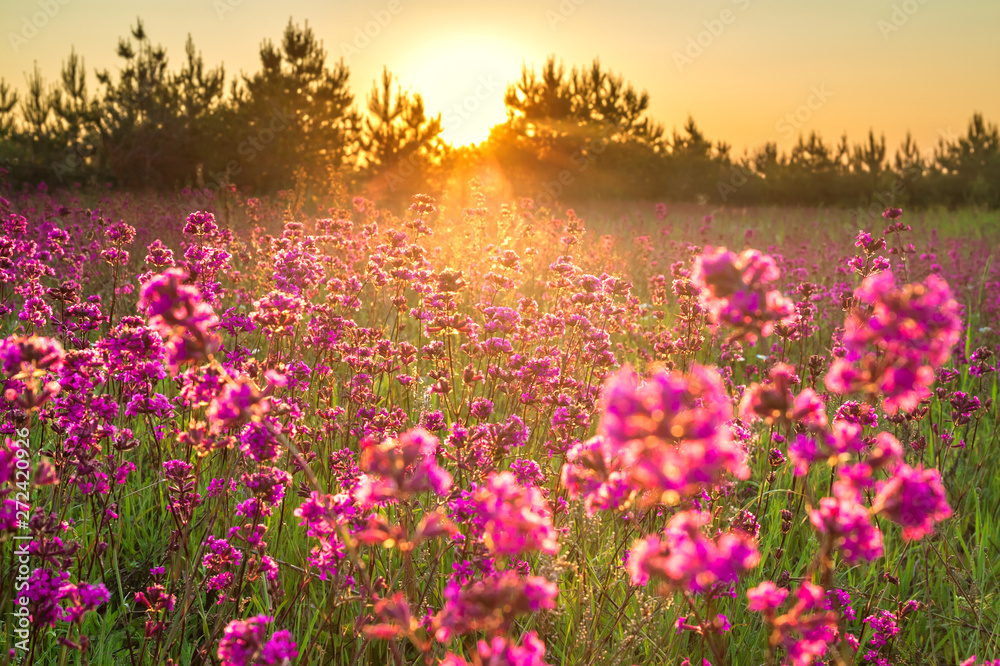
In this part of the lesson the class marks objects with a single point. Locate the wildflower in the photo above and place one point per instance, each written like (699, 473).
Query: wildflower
(807, 630)
(44, 592)
(398, 468)
(243, 644)
(27, 361)
(177, 312)
(160, 256)
(686, 558)
(734, 289)
(774, 401)
(671, 433)
(884, 627)
(236, 402)
(850, 525)
(517, 518)
(914, 499)
(82, 598)
(766, 597)
(501, 651)
(201, 225)
(491, 604)
(893, 351)
(593, 470)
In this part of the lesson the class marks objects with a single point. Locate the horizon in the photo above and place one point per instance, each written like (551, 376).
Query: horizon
(711, 57)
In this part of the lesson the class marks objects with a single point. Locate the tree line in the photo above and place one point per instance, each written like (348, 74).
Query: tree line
(569, 134)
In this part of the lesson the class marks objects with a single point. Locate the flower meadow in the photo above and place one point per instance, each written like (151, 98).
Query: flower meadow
(236, 433)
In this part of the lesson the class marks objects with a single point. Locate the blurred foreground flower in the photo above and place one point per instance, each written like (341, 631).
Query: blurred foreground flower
(491, 604)
(685, 558)
(398, 468)
(500, 651)
(665, 438)
(734, 287)
(243, 644)
(893, 345)
(25, 362)
(178, 313)
(913, 499)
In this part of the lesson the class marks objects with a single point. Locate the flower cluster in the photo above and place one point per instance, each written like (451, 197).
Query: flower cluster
(243, 644)
(666, 438)
(685, 558)
(893, 343)
(177, 312)
(736, 289)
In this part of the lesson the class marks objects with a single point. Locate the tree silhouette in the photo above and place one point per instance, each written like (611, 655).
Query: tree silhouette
(295, 113)
(398, 140)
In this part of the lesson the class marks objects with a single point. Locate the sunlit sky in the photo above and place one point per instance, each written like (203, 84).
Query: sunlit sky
(748, 71)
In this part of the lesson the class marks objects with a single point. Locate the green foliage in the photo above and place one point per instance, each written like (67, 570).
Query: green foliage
(400, 145)
(295, 113)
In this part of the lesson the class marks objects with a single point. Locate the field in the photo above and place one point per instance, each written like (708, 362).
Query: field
(240, 433)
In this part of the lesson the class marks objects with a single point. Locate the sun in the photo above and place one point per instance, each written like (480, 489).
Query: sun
(464, 80)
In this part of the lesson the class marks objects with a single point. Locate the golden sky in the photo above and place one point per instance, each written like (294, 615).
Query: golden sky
(748, 71)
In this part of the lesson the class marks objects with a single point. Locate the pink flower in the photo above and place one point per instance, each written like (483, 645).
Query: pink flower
(243, 644)
(517, 518)
(502, 652)
(236, 402)
(177, 311)
(809, 628)
(685, 557)
(398, 468)
(914, 499)
(594, 471)
(850, 524)
(766, 597)
(491, 604)
(669, 436)
(896, 343)
(29, 360)
(774, 401)
(200, 224)
(83, 597)
(735, 292)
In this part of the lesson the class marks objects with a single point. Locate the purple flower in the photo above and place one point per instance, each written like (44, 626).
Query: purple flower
(177, 312)
(914, 499)
(517, 518)
(243, 644)
(851, 527)
(686, 558)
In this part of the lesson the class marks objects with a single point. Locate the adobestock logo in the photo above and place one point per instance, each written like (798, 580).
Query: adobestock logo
(561, 13)
(740, 174)
(30, 25)
(252, 145)
(793, 122)
(899, 17)
(363, 35)
(714, 28)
